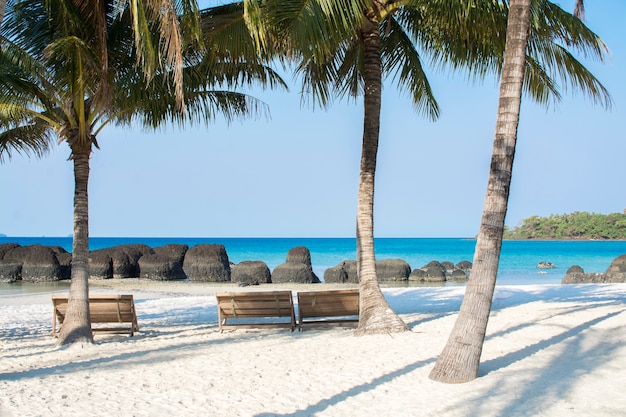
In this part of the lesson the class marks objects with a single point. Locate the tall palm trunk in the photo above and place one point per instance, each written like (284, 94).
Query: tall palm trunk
(77, 324)
(460, 358)
(375, 314)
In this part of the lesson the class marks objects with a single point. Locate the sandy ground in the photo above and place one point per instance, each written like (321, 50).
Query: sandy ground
(551, 350)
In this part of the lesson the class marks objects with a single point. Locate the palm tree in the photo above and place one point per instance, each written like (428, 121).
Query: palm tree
(61, 78)
(346, 47)
(460, 359)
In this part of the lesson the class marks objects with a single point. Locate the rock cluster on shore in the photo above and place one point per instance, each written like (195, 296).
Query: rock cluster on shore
(615, 273)
(398, 270)
(204, 262)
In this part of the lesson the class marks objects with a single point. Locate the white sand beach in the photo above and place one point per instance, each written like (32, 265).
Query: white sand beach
(551, 350)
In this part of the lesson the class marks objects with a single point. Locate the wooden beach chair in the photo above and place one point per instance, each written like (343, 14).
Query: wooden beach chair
(109, 313)
(328, 308)
(255, 309)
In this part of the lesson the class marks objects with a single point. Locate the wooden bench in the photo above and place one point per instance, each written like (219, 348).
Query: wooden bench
(240, 307)
(328, 308)
(103, 309)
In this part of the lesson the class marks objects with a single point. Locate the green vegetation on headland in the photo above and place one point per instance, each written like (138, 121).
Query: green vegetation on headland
(576, 225)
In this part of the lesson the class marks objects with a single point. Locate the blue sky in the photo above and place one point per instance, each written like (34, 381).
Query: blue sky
(296, 174)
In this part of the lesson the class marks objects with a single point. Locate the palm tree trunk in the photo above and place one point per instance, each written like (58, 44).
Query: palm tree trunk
(460, 359)
(375, 315)
(77, 324)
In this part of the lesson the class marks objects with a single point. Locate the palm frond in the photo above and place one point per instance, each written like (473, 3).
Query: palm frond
(350, 62)
(560, 63)
(228, 37)
(538, 84)
(566, 29)
(401, 58)
(202, 107)
(33, 139)
(555, 35)
(462, 36)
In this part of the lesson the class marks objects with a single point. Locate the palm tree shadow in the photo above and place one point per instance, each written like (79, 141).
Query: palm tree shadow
(352, 392)
(563, 311)
(512, 357)
(544, 388)
(140, 357)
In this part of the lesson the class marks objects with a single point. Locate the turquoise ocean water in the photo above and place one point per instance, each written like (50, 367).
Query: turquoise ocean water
(517, 263)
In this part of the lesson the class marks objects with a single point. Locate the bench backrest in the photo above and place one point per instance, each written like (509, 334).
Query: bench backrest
(116, 308)
(328, 303)
(255, 304)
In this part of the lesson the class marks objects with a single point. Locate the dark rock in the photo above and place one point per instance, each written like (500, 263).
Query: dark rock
(10, 272)
(386, 270)
(457, 276)
(173, 252)
(160, 268)
(299, 255)
(417, 275)
(65, 262)
(100, 264)
(297, 268)
(575, 269)
(164, 264)
(335, 275)
(344, 272)
(39, 263)
(546, 265)
(251, 273)
(465, 266)
(207, 262)
(616, 272)
(447, 266)
(581, 278)
(392, 270)
(5, 247)
(618, 265)
(126, 259)
(435, 272)
(292, 272)
(432, 265)
(575, 275)
(352, 271)
(429, 273)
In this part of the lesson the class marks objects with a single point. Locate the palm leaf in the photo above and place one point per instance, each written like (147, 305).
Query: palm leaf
(401, 58)
(33, 139)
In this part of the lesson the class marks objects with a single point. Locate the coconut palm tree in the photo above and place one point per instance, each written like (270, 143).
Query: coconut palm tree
(460, 359)
(61, 78)
(345, 48)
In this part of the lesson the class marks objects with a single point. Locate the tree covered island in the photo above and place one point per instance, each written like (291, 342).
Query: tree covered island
(576, 225)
